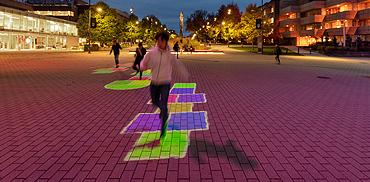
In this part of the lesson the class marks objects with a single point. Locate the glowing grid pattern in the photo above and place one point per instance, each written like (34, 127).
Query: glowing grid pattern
(138, 78)
(109, 70)
(131, 84)
(149, 122)
(178, 107)
(171, 99)
(185, 98)
(182, 91)
(185, 85)
(182, 121)
(127, 84)
(192, 98)
(145, 73)
(148, 147)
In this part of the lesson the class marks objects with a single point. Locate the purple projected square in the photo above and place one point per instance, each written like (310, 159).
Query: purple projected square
(182, 91)
(192, 98)
(145, 122)
(188, 121)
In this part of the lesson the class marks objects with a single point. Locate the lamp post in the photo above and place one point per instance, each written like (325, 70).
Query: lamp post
(261, 38)
(89, 49)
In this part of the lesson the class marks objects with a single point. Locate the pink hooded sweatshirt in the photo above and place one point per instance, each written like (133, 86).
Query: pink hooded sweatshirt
(162, 63)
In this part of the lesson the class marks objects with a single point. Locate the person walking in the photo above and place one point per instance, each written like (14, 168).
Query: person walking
(162, 63)
(116, 50)
(277, 53)
(139, 55)
(176, 48)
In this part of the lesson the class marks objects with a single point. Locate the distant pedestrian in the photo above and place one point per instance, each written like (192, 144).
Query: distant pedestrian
(139, 55)
(162, 63)
(191, 49)
(277, 53)
(116, 50)
(176, 48)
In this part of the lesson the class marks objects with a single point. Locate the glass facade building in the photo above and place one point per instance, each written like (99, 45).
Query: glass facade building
(21, 30)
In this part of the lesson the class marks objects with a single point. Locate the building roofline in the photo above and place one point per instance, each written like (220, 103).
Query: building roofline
(16, 5)
(7, 9)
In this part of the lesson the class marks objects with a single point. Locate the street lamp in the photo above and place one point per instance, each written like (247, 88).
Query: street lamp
(223, 23)
(99, 9)
(137, 22)
(261, 27)
(229, 11)
(88, 29)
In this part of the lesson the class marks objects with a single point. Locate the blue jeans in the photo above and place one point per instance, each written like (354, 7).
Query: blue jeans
(116, 58)
(159, 94)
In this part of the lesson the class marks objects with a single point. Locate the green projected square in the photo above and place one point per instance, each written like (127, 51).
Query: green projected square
(184, 85)
(148, 147)
(127, 84)
(145, 73)
(103, 71)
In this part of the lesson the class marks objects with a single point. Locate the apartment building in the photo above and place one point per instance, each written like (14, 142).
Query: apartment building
(271, 15)
(305, 22)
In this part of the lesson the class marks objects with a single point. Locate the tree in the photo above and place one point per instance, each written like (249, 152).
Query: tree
(151, 25)
(247, 25)
(196, 21)
(229, 13)
(228, 16)
(107, 24)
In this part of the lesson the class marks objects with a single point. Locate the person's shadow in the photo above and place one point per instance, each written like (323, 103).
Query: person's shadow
(229, 151)
(152, 144)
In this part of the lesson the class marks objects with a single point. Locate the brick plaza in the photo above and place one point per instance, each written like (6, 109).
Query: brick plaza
(304, 120)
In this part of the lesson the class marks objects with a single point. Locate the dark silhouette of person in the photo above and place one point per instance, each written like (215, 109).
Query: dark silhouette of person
(176, 48)
(139, 55)
(277, 53)
(116, 50)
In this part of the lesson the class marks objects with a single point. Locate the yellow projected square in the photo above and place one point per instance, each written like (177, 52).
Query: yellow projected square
(179, 107)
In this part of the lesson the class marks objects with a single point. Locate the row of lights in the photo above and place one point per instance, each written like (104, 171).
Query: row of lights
(215, 19)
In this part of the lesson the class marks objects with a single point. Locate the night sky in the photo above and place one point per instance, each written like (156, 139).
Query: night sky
(168, 10)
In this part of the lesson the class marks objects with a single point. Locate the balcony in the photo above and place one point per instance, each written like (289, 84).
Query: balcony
(339, 31)
(312, 5)
(363, 14)
(307, 33)
(330, 3)
(334, 31)
(286, 22)
(365, 30)
(312, 19)
(320, 33)
(282, 30)
(290, 34)
(289, 9)
(346, 15)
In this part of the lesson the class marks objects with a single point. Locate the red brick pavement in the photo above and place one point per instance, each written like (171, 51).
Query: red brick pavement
(266, 122)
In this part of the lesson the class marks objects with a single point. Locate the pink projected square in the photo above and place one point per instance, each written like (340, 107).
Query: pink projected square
(172, 98)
